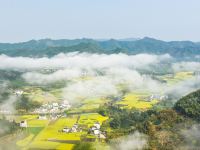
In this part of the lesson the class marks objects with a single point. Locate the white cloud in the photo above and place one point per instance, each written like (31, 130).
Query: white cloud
(81, 60)
(39, 78)
(186, 66)
(136, 141)
(191, 137)
(94, 88)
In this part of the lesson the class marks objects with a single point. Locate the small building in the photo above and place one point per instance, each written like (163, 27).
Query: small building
(66, 130)
(93, 128)
(75, 128)
(97, 132)
(97, 125)
(23, 124)
(42, 117)
(102, 136)
(55, 104)
(18, 92)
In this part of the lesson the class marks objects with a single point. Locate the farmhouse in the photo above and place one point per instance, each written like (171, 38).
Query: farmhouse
(97, 125)
(23, 124)
(157, 96)
(42, 117)
(18, 92)
(66, 129)
(95, 130)
(75, 128)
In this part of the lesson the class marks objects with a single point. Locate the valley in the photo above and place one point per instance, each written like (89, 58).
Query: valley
(58, 124)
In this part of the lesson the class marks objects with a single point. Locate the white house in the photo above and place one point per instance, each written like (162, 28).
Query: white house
(42, 117)
(55, 104)
(93, 128)
(23, 124)
(74, 129)
(18, 92)
(97, 125)
(96, 132)
(66, 129)
(102, 136)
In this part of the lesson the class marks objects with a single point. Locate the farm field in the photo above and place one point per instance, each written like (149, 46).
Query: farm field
(51, 137)
(41, 140)
(37, 94)
(88, 105)
(25, 117)
(91, 118)
(136, 100)
(177, 77)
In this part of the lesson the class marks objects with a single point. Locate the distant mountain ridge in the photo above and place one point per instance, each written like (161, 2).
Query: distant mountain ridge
(48, 47)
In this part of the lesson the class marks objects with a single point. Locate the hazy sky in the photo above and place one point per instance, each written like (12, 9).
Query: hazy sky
(22, 20)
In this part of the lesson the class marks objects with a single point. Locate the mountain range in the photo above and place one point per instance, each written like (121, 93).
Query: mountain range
(49, 47)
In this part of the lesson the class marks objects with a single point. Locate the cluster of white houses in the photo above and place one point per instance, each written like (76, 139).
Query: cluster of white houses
(53, 108)
(95, 130)
(157, 97)
(74, 128)
(18, 92)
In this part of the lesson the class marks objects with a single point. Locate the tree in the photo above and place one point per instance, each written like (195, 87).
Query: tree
(189, 105)
(25, 104)
(83, 146)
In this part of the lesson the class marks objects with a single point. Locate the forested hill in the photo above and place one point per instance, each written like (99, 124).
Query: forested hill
(190, 105)
(48, 47)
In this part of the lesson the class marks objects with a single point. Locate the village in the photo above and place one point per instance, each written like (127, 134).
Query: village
(157, 97)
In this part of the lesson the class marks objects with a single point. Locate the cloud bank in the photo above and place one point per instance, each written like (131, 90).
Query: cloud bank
(106, 73)
(81, 60)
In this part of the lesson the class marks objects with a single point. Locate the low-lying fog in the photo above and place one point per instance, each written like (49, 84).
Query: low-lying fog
(104, 72)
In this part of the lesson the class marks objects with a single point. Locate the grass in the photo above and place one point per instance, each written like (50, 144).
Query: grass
(65, 122)
(65, 147)
(34, 130)
(25, 117)
(36, 94)
(43, 145)
(37, 123)
(25, 141)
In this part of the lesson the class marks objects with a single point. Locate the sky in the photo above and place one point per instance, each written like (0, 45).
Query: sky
(23, 20)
